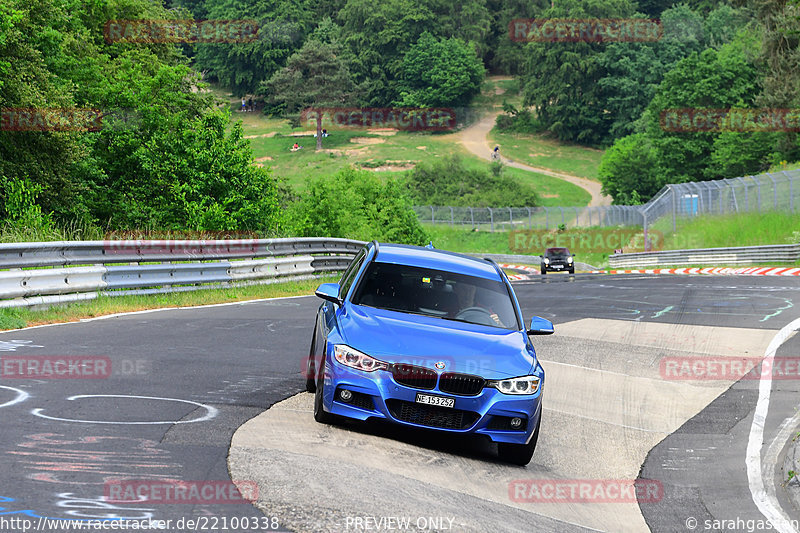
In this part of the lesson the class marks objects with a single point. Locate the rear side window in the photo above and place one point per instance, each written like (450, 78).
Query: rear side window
(350, 274)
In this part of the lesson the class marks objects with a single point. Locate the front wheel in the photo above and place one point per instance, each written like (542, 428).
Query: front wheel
(544, 271)
(320, 414)
(572, 270)
(519, 454)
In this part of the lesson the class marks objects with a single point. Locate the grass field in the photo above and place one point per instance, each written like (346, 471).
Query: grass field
(537, 150)
(390, 153)
(718, 231)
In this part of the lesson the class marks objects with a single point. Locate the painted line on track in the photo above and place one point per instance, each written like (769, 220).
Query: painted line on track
(144, 311)
(765, 500)
(714, 271)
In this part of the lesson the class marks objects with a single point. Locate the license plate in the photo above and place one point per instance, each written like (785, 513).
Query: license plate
(558, 266)
(438, 401)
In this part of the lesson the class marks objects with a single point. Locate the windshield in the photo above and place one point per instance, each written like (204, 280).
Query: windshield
(556, 253)
(437, 293)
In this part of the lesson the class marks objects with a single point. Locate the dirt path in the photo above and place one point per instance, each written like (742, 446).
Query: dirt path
(474, 139)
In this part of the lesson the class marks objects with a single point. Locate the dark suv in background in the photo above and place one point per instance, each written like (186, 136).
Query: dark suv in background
(558, 260)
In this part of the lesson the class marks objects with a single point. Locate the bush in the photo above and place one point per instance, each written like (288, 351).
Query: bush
(448, 181)
(355, 204)
(518, 120)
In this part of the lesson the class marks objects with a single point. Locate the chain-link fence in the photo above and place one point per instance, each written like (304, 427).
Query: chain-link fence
(778, 191)
(508, 218)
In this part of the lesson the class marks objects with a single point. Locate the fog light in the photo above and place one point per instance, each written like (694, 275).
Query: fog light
(516, 423)
(345, 395)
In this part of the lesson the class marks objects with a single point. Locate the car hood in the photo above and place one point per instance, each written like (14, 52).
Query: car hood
(396, 337)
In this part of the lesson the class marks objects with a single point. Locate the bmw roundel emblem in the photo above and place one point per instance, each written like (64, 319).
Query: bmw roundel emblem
(439, 365)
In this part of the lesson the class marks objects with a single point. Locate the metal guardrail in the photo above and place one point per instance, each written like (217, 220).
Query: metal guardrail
(744, 255)
(40, 273)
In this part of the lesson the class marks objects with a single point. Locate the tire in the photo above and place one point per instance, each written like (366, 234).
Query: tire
(519, 454)
(572, 270)
(544, 271)
(311, 384)
(320, 415)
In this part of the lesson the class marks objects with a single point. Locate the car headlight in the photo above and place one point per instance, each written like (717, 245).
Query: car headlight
(521, 385)
(546, 261)
(569, 260)
(355, 359)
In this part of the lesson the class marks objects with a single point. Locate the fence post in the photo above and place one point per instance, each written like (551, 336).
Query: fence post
(452, 219)
(491, 217)
(577, 217)
(646, 237)
(758, 192)
(674, 210)
(546, 218)
(530, 219)
(432, 216)
(791, 191)
(562, 215)
(471, 217)
(510, 218)
(774, 192)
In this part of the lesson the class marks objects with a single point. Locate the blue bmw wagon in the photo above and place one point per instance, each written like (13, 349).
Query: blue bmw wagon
(429, 339)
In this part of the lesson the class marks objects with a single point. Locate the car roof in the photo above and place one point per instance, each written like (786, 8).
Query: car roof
(557, 250)
(419, 256)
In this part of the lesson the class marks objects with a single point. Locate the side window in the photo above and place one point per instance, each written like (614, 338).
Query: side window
(350, 274)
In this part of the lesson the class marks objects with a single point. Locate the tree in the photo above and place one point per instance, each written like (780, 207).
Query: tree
(242, 66)
(356, 204)
(710, 80)
(449, 181)
(629, 170)
(560, 79)
(440, 72)
(316, 76)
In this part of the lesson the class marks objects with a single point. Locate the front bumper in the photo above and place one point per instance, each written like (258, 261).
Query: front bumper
(558, 267)
(377, 395)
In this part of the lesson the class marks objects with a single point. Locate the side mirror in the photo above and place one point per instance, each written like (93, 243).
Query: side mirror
(329, 291)
(540, 326)
(574, 255)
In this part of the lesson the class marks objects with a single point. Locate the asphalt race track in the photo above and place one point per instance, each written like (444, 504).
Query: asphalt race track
(213, 393)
